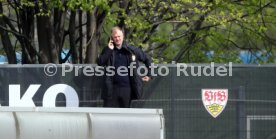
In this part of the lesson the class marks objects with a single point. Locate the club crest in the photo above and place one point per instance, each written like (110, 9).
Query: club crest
(214, 100)
(133, 57)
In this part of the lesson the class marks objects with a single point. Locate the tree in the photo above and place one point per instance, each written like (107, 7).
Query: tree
(203, 31)
(173, 30)
(56, 25)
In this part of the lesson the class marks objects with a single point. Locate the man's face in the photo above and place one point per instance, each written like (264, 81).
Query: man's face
(117, 37)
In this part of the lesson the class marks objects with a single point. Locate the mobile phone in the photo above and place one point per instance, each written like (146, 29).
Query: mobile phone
(112, 40)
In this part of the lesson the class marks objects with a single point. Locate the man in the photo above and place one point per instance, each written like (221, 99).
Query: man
(122, 88)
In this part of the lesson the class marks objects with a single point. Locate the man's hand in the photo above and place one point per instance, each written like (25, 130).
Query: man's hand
(110, 44)
(146, 78)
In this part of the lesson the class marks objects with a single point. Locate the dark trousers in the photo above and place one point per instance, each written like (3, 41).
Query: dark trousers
(120, 98)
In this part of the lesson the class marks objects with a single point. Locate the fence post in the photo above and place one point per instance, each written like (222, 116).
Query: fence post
(241, 114)
(172, 103)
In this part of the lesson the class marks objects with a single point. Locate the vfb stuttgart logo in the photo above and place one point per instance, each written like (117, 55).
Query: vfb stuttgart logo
(214, 100)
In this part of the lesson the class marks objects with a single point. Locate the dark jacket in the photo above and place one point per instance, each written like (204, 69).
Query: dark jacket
(107, 59)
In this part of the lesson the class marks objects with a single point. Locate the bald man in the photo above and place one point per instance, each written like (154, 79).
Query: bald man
(126, 84)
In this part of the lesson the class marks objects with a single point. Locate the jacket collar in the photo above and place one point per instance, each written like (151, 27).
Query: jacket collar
(124, 45)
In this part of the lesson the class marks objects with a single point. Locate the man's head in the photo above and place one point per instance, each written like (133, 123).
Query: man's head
(117, 36)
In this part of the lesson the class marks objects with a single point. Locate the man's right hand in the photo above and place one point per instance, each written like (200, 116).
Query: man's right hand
(110, 44)
(146, 78)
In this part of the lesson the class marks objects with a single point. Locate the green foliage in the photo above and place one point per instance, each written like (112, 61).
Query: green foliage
(232, 28)
(198, 31)
(226, 27)
(85, 5)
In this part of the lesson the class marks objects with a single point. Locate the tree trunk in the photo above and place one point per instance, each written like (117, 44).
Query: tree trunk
(46, 40)
(27, 26)
(72, 38)
(53, 45)
(9, 50)
(81, 37)
(94, 26)
(91, 27)
(42, 34)
(59, 20)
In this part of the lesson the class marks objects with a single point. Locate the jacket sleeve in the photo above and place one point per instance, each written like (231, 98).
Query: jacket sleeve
(104, 56)
(143, 57)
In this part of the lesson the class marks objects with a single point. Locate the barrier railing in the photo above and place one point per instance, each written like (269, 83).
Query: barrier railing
(81, 123)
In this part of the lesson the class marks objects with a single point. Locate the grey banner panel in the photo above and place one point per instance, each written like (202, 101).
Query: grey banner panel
(251, 90)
